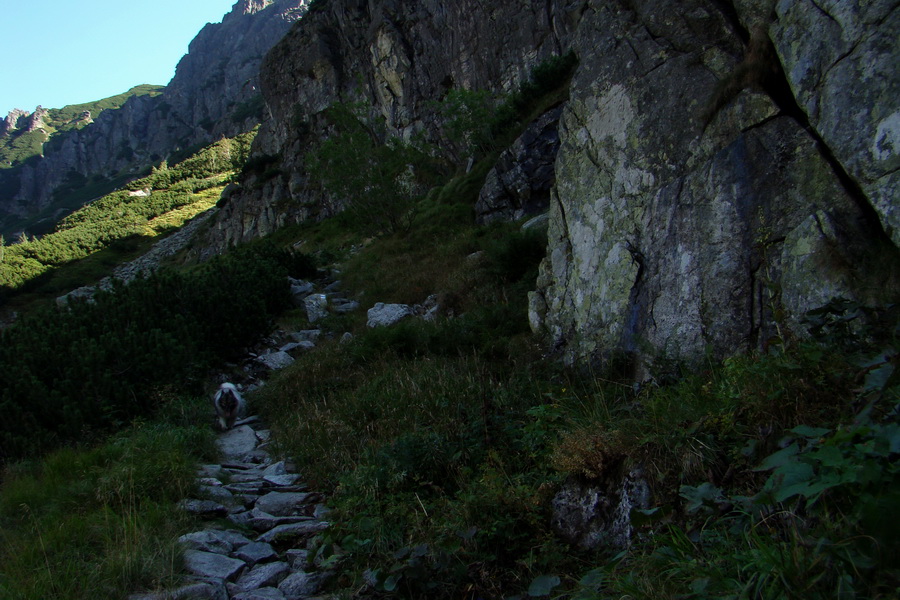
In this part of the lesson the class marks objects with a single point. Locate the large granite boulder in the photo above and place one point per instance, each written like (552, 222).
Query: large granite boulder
(677, 229)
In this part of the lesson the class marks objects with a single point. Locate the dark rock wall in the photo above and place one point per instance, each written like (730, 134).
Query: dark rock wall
(723, 167)
(398, 56)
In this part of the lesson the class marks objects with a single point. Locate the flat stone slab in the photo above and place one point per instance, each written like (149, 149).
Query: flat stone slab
(260, 521)
(194, 591)
(208, 540)
(279, 468)
(281, 504)
(260, 594)
(307, 335)
(251, 476)
(298, 558)
(256, 552)
(212, 471)
(241, 519)
(292, 530)
(301, 585)
(385, 315)
(216, 494)
(245, 488)
(282, 480)
(276, 361)
(214, 566)
(237, 442)
(264, 575)
(205, 509)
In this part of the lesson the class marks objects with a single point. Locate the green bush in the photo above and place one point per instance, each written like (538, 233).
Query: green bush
(68, 375)
(92, 522)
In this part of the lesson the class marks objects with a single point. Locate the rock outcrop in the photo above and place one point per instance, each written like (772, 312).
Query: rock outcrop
(520, 183)
(397, 56)
(214, 93)
(722, 168)
(13, 121)
(677, 229)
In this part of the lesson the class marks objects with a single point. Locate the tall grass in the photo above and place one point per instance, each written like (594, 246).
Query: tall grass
(101, 522)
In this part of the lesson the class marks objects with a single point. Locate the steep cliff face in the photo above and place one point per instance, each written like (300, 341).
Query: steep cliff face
(698, 205)
(214, 92)
(397, 56)
(723, 167)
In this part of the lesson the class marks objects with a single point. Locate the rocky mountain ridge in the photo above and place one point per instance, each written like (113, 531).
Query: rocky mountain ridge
(214, 93)
(723, 167)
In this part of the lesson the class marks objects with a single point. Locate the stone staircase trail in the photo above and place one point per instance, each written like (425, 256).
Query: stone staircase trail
(264, 556)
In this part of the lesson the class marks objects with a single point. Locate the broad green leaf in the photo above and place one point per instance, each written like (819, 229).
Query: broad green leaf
(543, 585)
(810, 432)
(698, 586)
(703, 494)
(878, 378)
(779, 458)
(592, 579)
(829, 456)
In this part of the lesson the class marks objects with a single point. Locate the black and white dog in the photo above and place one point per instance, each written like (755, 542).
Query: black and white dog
(230, 405)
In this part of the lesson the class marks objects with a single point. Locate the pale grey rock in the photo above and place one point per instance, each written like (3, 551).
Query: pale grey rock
(591, 515)
(194, 591)
(212, 471)
(215, 566)
(345, 306)
(256, 552)
(205, 509)
(540, 222)
(301, 585)
(316, 307)
(300, 290)
(241, 519)
(216, 493)
(238, 478)
(263, 575)
(82, 294)
(248, 420)
(288, 479)
(297, 348)
(276, 361)
(238, 442)
(11, 123)
(321, 511)
(235, 538)
(292, 530)
(263, 521)
(278, 468)
(281, 504)
(385, 315)
(841, 59)
(260, 594)
(208, 541)
(150, 261)
(667, 238)
(347, 337)
(297, 557)
(307, 335)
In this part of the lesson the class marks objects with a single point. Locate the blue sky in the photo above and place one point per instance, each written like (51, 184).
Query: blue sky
(59, 52)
